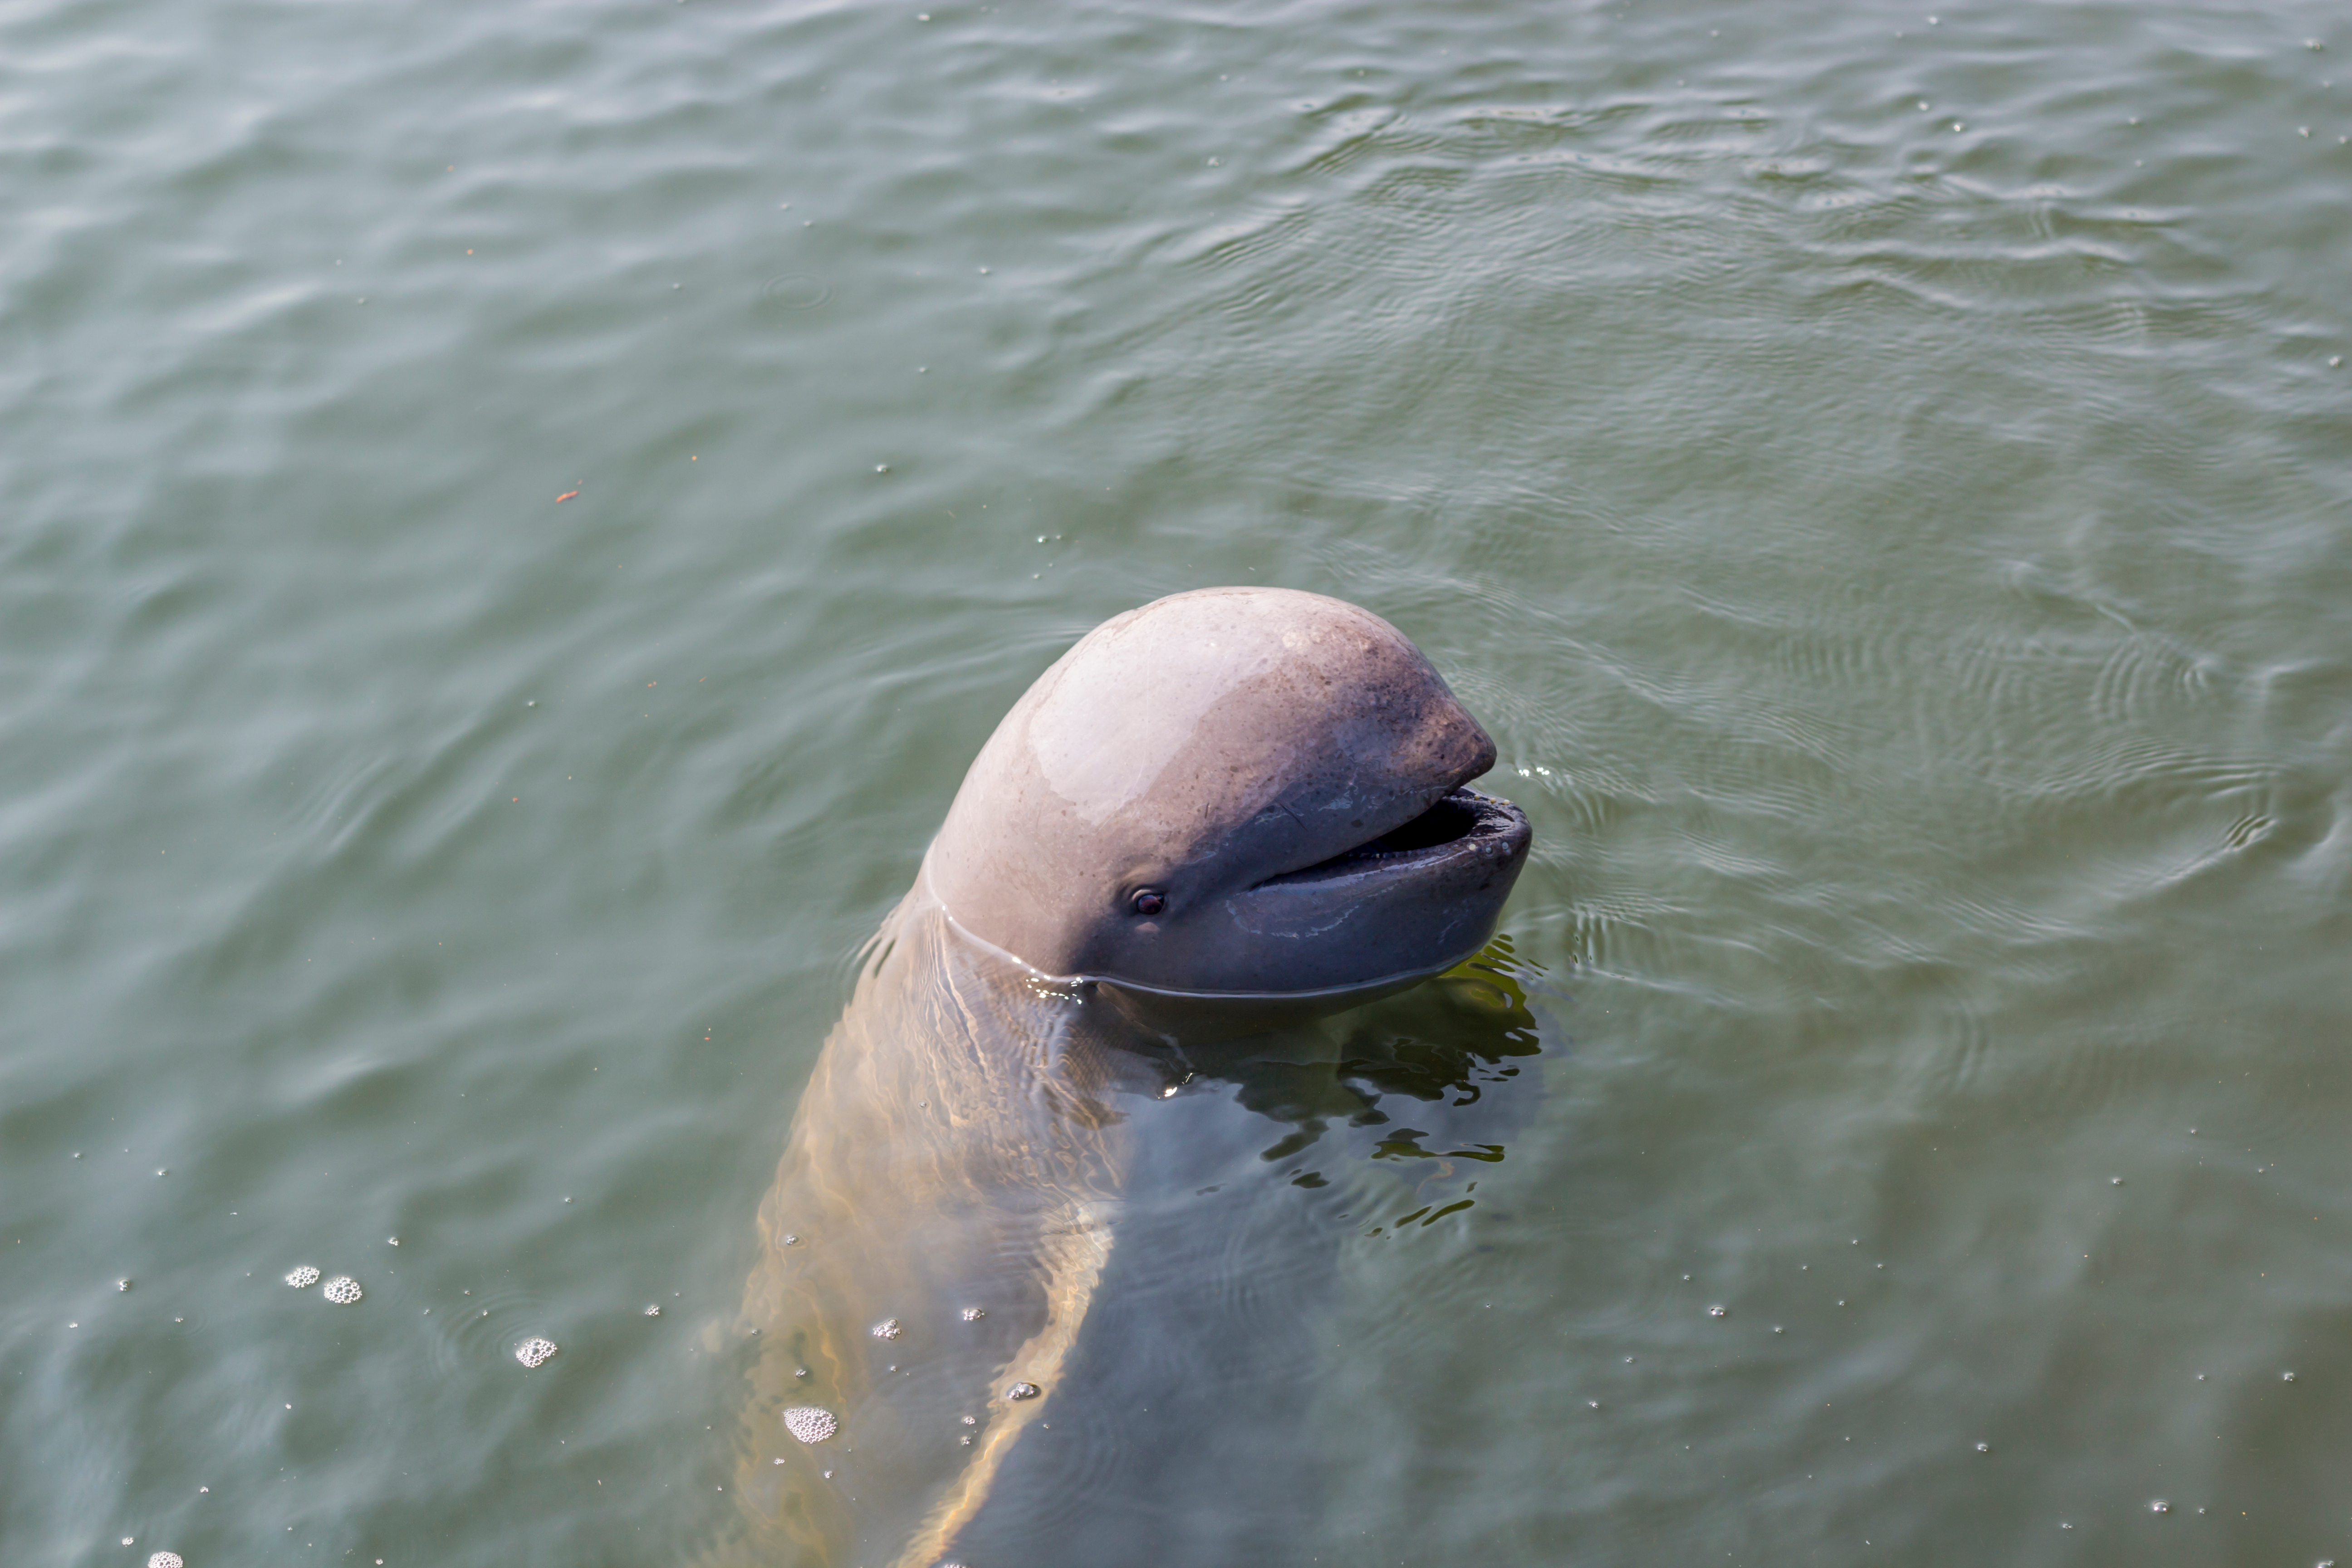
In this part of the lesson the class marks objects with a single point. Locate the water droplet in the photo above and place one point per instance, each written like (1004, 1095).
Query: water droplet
(302, 1278)
(2159, 1506)
(2115, 1181)
(810, 1423)
(881, 467)
(122, 1284)
(1984, 1448)
(1717, 1312)
(1022, 1391)
(887, 1329)
(342, 1291)
(1594, 1402)
(394, 1240)
(533, 1351)
(2286, 1377)
(1778, 1329)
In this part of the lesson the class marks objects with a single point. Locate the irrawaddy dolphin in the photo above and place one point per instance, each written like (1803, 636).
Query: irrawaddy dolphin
(1226, 807)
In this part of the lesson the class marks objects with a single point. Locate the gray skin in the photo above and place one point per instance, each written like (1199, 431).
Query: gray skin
(1281, 773)
(1237, 755)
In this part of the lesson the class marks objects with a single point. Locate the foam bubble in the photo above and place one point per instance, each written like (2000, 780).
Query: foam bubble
(887, 1329)
(534, 1351)
(974, 1314)
(654, 1311)
(1022, 1391)
(809, 1424)
(163, 1560)
(302, 1278)
(342, 1291)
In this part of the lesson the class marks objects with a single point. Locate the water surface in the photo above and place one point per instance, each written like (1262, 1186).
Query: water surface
(1883, 475)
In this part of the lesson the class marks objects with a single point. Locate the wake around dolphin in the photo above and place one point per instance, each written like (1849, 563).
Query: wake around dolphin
(1226, 805)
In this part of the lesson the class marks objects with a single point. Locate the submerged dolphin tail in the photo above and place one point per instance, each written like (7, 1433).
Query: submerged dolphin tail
(1074, 1264)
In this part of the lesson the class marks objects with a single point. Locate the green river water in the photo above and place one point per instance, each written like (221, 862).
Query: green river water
(1882, 474)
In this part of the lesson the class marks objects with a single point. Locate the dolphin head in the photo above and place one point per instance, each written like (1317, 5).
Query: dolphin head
(1247, 793)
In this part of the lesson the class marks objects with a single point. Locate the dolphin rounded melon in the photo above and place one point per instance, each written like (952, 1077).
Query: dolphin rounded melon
(1225, 800)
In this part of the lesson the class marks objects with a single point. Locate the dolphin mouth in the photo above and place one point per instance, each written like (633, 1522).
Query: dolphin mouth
(1460, 819)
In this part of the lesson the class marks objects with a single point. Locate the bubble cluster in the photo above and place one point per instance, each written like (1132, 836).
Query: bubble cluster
(973, 1314)
(303, 1277)
(534, 1351)
(1022, 1391)
(654, 1310)
(887, 1329)
(342, 1291)
(810, 1423)
(163, 1560)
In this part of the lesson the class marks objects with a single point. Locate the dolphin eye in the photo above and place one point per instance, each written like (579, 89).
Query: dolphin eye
(1148, 902)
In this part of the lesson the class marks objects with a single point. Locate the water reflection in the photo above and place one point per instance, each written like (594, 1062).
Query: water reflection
(1433, 1076)
(1184, 1414)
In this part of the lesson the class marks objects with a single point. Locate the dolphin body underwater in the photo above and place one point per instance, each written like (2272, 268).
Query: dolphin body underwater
(1225, 811)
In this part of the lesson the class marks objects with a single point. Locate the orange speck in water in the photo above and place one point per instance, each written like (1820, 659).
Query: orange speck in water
(566, 496)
